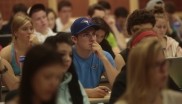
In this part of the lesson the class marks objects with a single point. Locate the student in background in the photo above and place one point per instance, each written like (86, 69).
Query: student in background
(101, 35)
(171, 47)
(107, 7)
(64, 20)
(70, 90)
(39, 19)
(147, 77)
(17, 8)
(97, 10)
(121, 15)
(139, 26)
(51, 15)
(43, 70)
(90, 60)
(22, 40)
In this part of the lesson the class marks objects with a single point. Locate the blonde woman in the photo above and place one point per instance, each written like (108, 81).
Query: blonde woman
(147, 77)
(22, 40)
(171, 47)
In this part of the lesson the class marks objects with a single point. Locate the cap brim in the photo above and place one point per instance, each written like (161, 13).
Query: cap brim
(93, 26)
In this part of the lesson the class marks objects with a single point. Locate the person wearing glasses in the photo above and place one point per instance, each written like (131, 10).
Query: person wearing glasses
(90, 61)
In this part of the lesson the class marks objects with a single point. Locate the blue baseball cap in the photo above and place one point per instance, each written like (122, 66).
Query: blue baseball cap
(82, 24)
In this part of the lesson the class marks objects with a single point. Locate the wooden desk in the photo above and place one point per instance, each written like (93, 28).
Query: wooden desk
(100, 100)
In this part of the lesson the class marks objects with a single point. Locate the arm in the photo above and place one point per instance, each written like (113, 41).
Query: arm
(98, 92)
(110, 71)
(119, 36)
(119, 62)
(10, 80)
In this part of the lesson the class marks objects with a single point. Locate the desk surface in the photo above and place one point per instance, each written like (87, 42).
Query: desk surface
(100, 100)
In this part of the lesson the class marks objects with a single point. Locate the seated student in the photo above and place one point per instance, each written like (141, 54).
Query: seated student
(171, 47)
(139, 22)
(97, 10)
(51, 16)
(22, 40)
(101, 35)
(147, 77)
(90, 60)
(43, 69)
(140, 27)
(64, 19)
(70, 90)
(40, 22)
(121, 14)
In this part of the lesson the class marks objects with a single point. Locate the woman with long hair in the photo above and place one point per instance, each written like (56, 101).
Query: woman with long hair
(147, 77)
(71, 90)
(22, 40)
(101, 34)
(43, 69)
(171, 47)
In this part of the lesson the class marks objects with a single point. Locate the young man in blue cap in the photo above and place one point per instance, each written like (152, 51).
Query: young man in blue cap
(90, 60)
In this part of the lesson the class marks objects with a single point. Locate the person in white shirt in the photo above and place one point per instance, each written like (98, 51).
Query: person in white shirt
(40, 22)
(64, 21)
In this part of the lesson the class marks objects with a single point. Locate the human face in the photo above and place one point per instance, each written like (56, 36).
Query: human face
(99, 13)
(65, 13)
(51, 19)
(159, 71)
(45, 82)
(24, 32)
(40, 21)
(161, 27)
(100, 34)
(85, 39)
(66, 50)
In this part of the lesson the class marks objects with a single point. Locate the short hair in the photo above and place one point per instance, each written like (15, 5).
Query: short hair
(61, 37)
(36, 8)
(139, 17)
(104, 4)
(19, 8)
(92, 8)
(121, 12)
(64, 3)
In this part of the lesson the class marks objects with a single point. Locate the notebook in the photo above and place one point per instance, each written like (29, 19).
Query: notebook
(175, 70)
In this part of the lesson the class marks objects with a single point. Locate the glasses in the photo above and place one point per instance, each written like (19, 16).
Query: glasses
(88, 35)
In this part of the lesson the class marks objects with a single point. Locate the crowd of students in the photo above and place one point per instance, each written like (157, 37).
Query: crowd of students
(55, 59)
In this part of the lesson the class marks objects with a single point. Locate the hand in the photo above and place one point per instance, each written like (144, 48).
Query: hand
(98, 92)
(97, 49)
(33, 40)
(110, 21)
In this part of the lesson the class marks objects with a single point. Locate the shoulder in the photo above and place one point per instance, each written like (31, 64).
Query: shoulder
(6, 52)
(172, 96)
(107, 54)
(121, 102)
(172, 93)
(171, 41)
